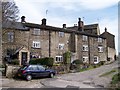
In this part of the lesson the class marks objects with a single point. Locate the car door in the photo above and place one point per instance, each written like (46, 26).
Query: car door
(34, 71)
(42, 71)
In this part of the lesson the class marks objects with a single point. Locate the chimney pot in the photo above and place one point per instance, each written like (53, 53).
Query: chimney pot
(79, 19)
(80, 25)
(64, 26)
(23, 19)
(43, 21)
(105, 29)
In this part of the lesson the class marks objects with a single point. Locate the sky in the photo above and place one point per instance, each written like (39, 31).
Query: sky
(59, 12)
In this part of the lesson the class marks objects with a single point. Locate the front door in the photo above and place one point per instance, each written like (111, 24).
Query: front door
(24, 58)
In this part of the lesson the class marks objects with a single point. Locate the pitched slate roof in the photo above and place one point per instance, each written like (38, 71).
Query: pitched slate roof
(14, 25)
(27, 26)
(51, 28)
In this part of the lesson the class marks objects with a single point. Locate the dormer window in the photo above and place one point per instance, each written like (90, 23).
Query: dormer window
(84, 38)
(36, 31)
(10, 36)
(99, 39)
(61, 34)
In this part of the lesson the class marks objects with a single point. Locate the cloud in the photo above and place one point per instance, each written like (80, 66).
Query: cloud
(98, 4)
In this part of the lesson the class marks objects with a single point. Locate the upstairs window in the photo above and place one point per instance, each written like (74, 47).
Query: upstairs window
(61, 46)
(99, 39)
(36, 44)
(36, 31)
(100, 49)
(85, 47)
(61, 34)
(10, 37)
(59, 59)
(84, 38)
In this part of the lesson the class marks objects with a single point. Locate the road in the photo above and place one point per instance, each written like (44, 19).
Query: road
(86, 79)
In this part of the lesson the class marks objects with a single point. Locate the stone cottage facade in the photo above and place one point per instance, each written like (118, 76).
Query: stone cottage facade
(29, 40)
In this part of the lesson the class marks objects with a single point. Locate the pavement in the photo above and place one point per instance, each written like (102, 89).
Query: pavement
(86, 79)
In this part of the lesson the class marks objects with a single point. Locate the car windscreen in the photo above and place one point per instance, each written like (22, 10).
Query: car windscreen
(23, 67)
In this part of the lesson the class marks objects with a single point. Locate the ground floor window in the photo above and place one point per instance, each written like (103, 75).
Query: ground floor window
(85, 58)
(59, 58)
(96, 60)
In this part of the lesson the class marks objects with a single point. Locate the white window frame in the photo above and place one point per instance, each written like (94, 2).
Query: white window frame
(59, 59)
(61, 46)
(61, 34)
(96, 60)
(100, 48)
(36, 44)
(10, 36)
(36, 31)
(84, 38)
(85, 48)
(100, 39)
(85, 59)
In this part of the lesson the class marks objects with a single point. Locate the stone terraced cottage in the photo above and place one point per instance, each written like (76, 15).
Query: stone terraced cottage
(29, 40)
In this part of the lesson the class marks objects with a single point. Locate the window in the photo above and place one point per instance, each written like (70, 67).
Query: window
(85, 58)
(100, 49)
(99, 39)
(36, 31)
(10, 36)
(41, 68)
(61, 34)
(85, 47)
(84, 38)
(96, 60)
(59, 59)
(36, 44)
(61, 46)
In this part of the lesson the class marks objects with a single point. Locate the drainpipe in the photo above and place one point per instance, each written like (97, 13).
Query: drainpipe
(49, 43)
(89, 49)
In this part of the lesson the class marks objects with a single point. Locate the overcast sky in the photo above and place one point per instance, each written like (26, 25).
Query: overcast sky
(68, 11)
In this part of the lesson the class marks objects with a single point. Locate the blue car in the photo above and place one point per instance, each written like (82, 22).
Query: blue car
(34, 71)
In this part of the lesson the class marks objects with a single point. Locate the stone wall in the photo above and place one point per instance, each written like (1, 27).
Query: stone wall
(11, 71)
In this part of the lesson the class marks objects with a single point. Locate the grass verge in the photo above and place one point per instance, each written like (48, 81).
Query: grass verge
(107, 73)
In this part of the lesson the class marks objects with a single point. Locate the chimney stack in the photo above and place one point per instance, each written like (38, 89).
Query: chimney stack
(43, 21)
(105, 29)
(23, 19)
(64, 26)
(80, 25)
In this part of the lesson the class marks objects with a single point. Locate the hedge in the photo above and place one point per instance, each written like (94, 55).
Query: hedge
(43, 61)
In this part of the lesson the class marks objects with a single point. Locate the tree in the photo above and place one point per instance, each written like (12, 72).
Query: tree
(9, 11)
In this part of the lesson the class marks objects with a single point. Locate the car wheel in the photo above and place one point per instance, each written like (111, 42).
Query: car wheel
(51, 75)
(28, 77)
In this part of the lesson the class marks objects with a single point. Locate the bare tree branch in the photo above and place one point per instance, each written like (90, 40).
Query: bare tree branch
(9, 12)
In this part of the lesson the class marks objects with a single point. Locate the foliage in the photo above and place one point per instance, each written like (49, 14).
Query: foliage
(9, 11)
(116, 78)
(2, 66)
(67, 57)
(107, 73)
(15, 62)
(77, 62)
(43, 61)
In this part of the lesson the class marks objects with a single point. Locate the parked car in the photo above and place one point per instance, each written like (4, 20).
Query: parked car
(34, 71)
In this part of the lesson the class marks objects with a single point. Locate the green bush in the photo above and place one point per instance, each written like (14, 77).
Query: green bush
(67, 57)
(77, 61)
(15, 62)
(2, 66)
(43, 61)
(115, 78)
